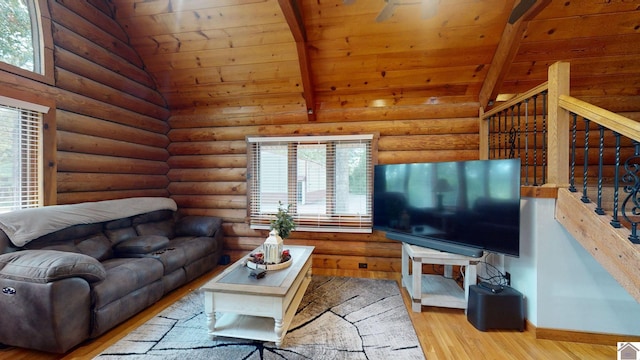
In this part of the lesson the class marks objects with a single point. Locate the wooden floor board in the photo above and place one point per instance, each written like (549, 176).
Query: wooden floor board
(444, 333)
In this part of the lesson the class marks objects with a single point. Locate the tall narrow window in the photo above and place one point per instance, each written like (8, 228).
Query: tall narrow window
(20, 43)
(20, 154)
(326, 180)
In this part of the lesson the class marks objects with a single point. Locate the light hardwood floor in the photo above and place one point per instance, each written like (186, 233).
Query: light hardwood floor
(443, 333)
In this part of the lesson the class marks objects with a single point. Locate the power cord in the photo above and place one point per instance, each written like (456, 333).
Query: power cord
(495, 276)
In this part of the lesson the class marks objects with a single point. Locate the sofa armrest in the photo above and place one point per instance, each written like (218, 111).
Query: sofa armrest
(195, 225)
(44, 266)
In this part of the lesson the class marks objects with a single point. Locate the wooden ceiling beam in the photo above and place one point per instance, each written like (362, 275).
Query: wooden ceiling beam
(507, 50)
(293, 14)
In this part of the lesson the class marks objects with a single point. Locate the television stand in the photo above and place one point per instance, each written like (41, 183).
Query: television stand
(436, 290)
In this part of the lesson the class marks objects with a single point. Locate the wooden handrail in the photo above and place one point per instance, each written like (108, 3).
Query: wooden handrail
(518, 99)
(610, 120)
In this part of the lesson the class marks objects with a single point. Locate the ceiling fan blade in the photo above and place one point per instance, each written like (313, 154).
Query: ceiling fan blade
(386, 12)
(429, 8)
(520, 9)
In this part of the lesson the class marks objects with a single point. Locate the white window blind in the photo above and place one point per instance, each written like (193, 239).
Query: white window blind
(327, 180)
(20, 158)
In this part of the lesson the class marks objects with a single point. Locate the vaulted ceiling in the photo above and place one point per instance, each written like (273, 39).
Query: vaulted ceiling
(328, 55)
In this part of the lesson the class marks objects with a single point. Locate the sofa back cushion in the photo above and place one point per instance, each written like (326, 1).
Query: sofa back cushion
(71, 233)
(97, 246)
(85, 239)
(159, 223)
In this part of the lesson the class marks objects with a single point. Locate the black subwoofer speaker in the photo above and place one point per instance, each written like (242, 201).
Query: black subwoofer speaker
(502, 310)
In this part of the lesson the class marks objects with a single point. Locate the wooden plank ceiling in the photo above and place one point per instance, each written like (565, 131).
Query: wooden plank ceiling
(240, 54)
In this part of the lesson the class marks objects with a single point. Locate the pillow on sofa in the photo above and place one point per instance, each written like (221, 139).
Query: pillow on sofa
(141, 245)
(43, 266)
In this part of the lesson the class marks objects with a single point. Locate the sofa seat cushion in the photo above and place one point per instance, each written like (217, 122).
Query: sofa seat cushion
(43, 266)
(125, 275)
(141, 245)
(172, 258)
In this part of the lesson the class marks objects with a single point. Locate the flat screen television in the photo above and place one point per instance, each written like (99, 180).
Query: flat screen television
(462, 207)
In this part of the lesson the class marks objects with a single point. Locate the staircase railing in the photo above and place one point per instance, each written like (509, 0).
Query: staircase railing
(518, 129)
(618, 159)
(552, 133)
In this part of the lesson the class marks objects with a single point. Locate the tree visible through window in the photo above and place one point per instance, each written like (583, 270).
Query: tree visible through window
(327, 180)
(20, 34)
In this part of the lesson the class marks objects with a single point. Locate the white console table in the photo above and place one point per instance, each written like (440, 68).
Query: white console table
(436, 290)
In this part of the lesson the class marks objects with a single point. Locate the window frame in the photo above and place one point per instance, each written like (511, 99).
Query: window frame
(45, 48)
(334, 222)
(48, 150)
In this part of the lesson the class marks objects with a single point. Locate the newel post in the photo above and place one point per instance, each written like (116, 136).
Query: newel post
(558, 124)
(483, 132)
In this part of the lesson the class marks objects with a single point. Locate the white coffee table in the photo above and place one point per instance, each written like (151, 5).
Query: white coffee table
(241, 306)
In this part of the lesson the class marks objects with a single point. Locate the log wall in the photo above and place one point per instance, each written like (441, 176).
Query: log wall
(111, 121)
(208, 166)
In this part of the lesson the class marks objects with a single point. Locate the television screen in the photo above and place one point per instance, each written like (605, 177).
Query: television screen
(462, 207)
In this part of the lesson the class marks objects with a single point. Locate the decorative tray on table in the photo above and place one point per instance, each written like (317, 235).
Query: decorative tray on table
(252, 264)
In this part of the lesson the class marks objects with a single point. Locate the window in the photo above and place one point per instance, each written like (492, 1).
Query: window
(327, 181)
(20, 43)
(20, 154)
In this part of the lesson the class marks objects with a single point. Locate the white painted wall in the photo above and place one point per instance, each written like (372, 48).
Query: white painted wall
(564, 286)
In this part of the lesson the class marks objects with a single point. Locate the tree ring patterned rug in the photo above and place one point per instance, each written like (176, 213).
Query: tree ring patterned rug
(338, 318)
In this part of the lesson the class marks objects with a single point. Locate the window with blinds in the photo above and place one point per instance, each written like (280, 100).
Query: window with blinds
(20, 158)
(327, 180)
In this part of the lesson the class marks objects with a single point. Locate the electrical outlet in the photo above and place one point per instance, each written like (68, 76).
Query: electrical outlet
(362, 265)
(507, 276)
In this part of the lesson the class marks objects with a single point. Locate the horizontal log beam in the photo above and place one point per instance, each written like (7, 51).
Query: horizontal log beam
(80, 85)
(79, 45)
(218, 174)
(90, 70)
(95, 182)
(87, 125)
(87, 144)
(76, 162)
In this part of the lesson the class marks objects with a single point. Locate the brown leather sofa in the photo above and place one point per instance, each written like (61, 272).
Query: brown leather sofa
(78, 282)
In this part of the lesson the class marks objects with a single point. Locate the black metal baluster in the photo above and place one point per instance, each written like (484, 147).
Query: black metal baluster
(490, 147)
(585, 198)
(632, 188)
(572, 177)
(499, 135)
(614, 219)
(598, 208)
(506, 135)
(512, 136)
